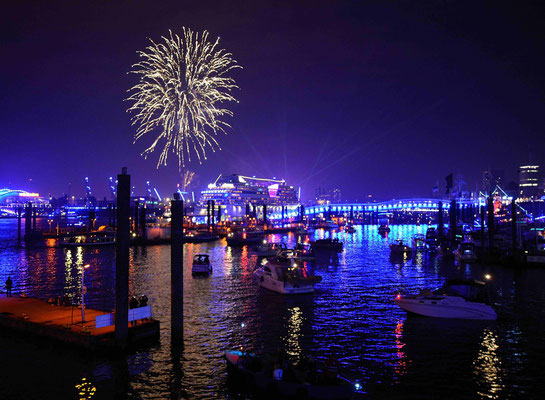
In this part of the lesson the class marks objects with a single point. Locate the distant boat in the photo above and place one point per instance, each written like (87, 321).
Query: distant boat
(327, 244)
(350, 228)
(383, 229)
(399, 247)
(201, 264)
(466, 252)
(244, 238)
(458, 298)
(93, 239)
(419, 242)
(266, 249)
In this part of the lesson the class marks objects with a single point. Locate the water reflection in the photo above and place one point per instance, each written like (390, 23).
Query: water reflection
(352, 307)
(487, 366)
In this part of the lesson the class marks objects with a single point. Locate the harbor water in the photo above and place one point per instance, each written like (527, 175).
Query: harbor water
(351, 316)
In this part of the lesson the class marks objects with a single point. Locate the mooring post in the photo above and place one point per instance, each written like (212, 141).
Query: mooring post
(34, 215)
(143, 221)
(452, 221)
(28, 220)
(208, 215)
(490, 211)
(122, 259)
(514, 224)
(219, 213)
(440, 223)
(302, 209)
(19, 223)
(483, 217)
(136, 215)
(176, 271)
(264, 215)
(213, 214)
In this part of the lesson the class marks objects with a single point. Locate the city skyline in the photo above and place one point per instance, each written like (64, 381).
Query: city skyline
(379, 99)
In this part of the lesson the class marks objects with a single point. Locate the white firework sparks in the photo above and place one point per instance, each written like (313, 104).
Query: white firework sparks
(180, 95)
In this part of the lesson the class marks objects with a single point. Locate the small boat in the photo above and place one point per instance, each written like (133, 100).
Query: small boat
(301, 231)
(458, 298)
(244, 238)
(328, 244)
(466, 252)
(284, 275)
(256, 374)
(398, 247)
(91, 240)
(266, 249)
(327, 225)
(200, 237)
(303, 252)
(419, 242)
(201, 264)
(382, 229)
(350, 229)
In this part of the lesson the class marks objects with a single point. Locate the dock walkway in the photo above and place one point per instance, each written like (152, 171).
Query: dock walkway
(40, 319)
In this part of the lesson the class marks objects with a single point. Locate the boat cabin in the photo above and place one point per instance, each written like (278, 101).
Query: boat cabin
(201, 259)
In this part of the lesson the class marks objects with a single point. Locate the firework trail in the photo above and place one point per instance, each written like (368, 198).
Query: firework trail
(187, 180)
(179, 98)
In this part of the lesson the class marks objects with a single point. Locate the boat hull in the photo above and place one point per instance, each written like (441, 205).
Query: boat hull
(267, 282)
(456, 309)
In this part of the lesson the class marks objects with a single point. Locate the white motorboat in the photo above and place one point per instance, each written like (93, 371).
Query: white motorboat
(91, 240)
(466, 252)
(283, 274)
(458, 298)
(399, 247)
(201, 264)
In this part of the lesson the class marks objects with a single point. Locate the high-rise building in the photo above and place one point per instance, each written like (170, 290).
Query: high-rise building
(324, 196)
(491, 179)
(528, 181)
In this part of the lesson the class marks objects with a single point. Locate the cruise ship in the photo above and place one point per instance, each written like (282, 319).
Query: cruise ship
(239, 190)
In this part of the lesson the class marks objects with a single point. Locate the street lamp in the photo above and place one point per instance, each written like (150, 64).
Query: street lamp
(83, 291)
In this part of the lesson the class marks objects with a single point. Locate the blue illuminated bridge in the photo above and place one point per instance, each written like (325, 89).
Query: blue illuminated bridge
(402, 205)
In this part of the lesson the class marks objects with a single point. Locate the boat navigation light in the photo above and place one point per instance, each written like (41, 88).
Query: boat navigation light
(357, 386)
(264, 241)
(243, 325)
(398, 297)
(488, 277)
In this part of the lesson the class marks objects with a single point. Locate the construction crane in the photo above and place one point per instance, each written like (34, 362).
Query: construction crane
(113, 187)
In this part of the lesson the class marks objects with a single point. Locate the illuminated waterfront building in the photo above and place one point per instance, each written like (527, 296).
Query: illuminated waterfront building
(528, 181)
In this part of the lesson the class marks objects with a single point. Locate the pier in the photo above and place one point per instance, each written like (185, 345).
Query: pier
(42, 320)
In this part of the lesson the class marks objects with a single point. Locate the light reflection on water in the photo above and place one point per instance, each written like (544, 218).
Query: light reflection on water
(351, 314)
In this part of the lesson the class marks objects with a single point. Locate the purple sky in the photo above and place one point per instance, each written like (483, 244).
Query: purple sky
(375, 98)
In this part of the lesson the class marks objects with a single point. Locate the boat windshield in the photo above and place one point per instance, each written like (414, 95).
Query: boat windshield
(470, 292)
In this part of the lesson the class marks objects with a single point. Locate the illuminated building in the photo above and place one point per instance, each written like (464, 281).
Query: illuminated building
(240, 190)
(528, 181)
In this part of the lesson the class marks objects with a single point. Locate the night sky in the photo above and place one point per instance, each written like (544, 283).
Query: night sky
(381, 98)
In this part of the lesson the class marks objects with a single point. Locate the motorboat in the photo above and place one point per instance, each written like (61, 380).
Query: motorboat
(244, 238)
(299, 382)
(201, 264)
(399, 247)
(419, 242)
(328, 244)
(200, 237)
(383, 228)
(432, 242)
(350, 229)
(284, 274)
(466, 252)
(458, 298)
(266, 249)
(302, 231)
(304, 252)
(328, 225)
(90, 240)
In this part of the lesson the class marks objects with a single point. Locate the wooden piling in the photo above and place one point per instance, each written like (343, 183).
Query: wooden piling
(176, 272)
(122, 259)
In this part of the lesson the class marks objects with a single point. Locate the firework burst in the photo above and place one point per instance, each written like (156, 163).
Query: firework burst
(180, 95)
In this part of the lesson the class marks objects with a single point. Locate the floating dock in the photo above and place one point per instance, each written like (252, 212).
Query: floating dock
(39, 319)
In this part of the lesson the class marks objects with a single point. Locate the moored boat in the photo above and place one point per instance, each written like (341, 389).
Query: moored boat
(91, 240)
(466, 252)
(382, 229)
(256, 373)
(266, 249)
(458, 298)
(419, 242)
(244, 238)
(327, 244)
